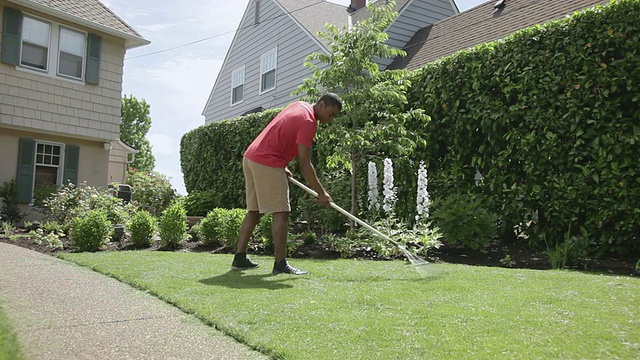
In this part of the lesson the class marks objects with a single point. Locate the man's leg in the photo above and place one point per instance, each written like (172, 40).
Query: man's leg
(240, 260)
(279, 229)
(249, 224)
(251, 219)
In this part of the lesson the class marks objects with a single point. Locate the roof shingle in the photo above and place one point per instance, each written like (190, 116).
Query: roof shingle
(90, 10)
(314, 14)
(479, 25)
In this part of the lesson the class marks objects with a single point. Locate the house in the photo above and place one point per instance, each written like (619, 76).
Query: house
(484, 23)
(61, 74)
(426, 29)
(264, 63)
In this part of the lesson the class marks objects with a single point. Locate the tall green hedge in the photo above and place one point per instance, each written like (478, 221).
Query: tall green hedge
(211, 156)
(550, 116)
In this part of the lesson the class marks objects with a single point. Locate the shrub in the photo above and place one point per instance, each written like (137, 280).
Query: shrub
(142, 228)
(463, 221)
(264, 228)
(195, 232)
(52, 227)
(231, 229)
(211, 227)
(199, 203)
(90, 231)
(309, 237)
(222, 226)
(151, 190)
(71, 201)
(53, 239)
(173, 226)
(9, 211)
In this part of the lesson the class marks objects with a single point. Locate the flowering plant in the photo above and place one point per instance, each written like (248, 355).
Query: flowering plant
(374, 203)
(389, 192)
(423, 201)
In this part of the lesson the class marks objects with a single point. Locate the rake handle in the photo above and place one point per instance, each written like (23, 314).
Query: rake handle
(347, 214)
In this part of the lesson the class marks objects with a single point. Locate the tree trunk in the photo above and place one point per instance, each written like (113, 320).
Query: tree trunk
(352, 224)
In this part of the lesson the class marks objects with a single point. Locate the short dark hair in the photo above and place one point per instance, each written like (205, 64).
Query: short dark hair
(331, 99)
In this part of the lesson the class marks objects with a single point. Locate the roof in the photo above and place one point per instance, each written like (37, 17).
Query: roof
(314, 14)
(364, 13)
(480, 25)
(90, 13)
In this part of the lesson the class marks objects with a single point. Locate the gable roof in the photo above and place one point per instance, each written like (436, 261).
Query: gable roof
(312, 15)
(91, 13)
(479, 25)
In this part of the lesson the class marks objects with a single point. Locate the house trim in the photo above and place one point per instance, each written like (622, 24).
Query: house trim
(455, 7)
(313, 37)
(130, 40)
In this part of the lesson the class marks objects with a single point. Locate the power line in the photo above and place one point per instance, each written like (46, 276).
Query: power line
(223, 34)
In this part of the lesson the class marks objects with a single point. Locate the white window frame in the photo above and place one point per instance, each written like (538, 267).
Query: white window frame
(47, 65)
(266, 67)
(53, 51)
(235, 84)
(60, 166)
(83, 54)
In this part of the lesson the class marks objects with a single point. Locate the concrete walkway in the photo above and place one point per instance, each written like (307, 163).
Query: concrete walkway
(63, 311)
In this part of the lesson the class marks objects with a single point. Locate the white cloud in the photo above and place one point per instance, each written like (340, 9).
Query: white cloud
(163, 144)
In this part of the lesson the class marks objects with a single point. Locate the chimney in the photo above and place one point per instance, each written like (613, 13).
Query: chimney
(357, 5)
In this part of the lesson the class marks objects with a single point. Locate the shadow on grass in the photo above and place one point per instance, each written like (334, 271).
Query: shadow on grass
(242, 280)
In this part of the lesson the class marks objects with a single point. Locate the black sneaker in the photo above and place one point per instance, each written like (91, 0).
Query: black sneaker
(242, 262)
(283, 267)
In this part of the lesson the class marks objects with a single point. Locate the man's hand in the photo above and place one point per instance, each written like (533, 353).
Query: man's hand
(324, 198)
(286, 171)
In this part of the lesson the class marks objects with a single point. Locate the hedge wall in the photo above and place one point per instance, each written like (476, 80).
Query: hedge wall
(551, 118)
(211, 157)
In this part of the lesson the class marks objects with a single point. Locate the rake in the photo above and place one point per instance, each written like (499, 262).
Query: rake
(414, 259)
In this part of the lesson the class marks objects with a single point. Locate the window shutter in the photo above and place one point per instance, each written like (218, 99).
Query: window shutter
(26, 158)
(94, 45)
(11, 33)
(71, 164)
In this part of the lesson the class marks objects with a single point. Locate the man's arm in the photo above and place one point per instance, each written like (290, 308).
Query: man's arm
(309, 174)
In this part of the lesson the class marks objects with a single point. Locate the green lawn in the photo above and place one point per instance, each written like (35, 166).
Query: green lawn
(9, 348)
(351, 309)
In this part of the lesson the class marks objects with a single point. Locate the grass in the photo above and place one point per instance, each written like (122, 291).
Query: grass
(9, 347)
(351, 309)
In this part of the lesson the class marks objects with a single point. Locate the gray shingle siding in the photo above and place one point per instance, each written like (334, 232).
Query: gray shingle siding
(275, 30)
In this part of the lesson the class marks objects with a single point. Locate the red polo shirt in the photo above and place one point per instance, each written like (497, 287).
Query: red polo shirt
(277, 144)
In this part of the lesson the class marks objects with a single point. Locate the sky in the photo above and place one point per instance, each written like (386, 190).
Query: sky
(176, 72)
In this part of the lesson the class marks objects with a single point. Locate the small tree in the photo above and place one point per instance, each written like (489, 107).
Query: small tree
(134, 126)
(374, 101)
(9, 210)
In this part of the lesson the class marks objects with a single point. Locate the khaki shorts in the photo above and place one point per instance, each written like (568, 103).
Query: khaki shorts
(267, 188)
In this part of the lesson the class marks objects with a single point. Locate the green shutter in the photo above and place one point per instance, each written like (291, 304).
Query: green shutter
(26, 158)
(71, 162)
(11, 32)
(94, 44)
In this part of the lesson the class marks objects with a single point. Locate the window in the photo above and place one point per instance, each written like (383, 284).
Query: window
(42, 166)
(35, 43)
(49, 48)
(237, 86)
(47, 173)
(71, 53)
(268, 64)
